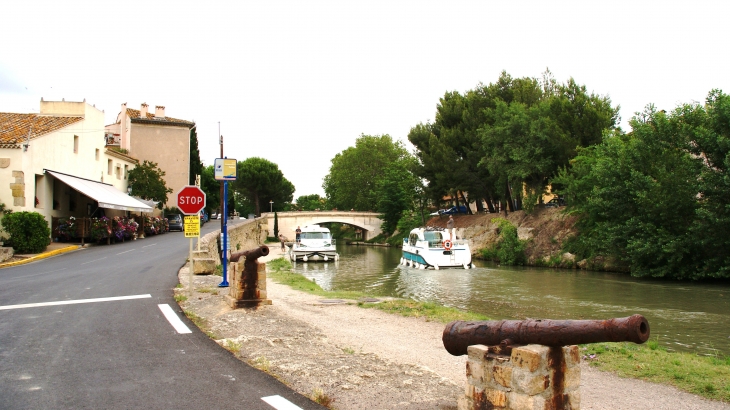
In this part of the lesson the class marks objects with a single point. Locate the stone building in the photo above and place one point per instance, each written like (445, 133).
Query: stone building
(57, 163)
(158, 138)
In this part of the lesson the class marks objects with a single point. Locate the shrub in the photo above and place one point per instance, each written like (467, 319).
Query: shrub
(510, 249)
(29, 231)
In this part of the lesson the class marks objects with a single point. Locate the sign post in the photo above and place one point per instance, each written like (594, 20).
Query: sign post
(224, 169)
(191, 200)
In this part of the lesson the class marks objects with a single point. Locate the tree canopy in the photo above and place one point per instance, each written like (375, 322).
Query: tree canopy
(506, 139)
(357, 172)
(655, 199)
(196, 166)
(260, 181)
(147, 182)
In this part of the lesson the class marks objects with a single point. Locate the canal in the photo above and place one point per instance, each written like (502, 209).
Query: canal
(683, 316)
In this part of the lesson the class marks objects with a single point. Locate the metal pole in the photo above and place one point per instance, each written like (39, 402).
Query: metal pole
(190, 273)
(224, 284)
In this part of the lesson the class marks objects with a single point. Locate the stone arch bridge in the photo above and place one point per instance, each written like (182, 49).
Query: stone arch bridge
(369, 222)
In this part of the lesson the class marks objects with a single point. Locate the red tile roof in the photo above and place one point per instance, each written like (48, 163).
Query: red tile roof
(135, 115)
(14, 128)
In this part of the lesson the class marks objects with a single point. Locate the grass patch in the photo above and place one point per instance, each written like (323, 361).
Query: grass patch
(428, 310)
(212, 291)
(232, 346)
(180, 298)
(218, 270)
(179, 286)
(261, 363)
(212, 335)
(319, 396)
(704, 376)
(197, 320)
(348, 350)
(280, 271)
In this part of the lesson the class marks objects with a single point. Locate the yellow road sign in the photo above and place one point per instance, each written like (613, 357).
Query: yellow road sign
(192, 226)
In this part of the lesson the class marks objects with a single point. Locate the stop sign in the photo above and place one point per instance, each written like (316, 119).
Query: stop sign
(191, 200)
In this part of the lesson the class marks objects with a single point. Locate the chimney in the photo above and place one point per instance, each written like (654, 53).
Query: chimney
(143, 111)
(159, 111)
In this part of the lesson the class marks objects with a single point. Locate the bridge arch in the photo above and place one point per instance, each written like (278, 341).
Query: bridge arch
(369, 222)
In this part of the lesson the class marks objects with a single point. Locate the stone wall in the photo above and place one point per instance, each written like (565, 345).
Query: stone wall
(532, 377)
(249, 234)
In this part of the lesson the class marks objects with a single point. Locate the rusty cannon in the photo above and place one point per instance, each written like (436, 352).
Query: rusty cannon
(249, 283)
(459, 335)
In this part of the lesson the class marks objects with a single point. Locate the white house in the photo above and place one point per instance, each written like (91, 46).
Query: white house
(57, 163)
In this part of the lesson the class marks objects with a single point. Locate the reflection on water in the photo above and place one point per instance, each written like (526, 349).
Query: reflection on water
(683, 316)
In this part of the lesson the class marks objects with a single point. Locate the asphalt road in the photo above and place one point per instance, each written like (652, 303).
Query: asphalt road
(120, 353)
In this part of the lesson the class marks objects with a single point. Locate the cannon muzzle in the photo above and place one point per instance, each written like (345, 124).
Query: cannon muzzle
(459, 335)
(251, 254)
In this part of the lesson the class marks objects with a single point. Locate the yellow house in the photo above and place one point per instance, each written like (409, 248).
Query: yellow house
(57, 163)
(158, 138)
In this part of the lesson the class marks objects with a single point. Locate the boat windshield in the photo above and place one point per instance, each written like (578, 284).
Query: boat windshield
(433, 238)
(315, 235)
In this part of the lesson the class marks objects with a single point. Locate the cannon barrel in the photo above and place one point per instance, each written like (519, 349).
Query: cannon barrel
(251, 254)
(460, 334)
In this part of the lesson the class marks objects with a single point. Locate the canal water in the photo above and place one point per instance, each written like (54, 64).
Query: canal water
(682, 316)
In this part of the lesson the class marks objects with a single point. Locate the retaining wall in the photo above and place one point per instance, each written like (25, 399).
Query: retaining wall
(249, 234)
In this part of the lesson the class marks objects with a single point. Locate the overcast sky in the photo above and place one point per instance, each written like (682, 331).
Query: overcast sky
(296, 82)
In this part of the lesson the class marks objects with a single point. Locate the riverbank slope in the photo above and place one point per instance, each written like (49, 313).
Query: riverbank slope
(367, 359)
(545, 230)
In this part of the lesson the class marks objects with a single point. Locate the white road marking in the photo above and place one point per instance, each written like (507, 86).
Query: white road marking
(147, 246)
(280, 403)
(73, 302)
(173, 319)
(131, 250)
(95, 260)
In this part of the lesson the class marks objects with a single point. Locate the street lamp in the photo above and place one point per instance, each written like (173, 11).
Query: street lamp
(271, 206)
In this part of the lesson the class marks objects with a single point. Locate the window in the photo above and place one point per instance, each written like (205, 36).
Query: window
(97, 154)
(118, 171)
(126, 171)
(76, 144)
(109, 166)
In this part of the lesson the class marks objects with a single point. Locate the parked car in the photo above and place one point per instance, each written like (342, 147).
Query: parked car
(439, 212)
(203, 218)
(214, 215)
(555, 202)
(461, 209)
(174, 222)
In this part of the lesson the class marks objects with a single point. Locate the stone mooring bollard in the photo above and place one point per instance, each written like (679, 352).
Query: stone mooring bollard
(530, 377)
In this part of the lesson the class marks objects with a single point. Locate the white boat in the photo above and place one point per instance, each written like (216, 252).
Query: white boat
(315, 244)
(434, 248)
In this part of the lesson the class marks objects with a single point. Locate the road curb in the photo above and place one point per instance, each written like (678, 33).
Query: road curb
(40, 256)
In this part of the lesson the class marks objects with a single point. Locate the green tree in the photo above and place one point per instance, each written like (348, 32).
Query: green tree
(395, 193)
(311, 202)
(196, 166)
(656, 198)
(357, 172)
(261, 181)
(147, 182)
(212, 189)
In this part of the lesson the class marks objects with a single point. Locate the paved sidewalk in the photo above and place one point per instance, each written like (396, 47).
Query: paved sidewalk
(53, 249)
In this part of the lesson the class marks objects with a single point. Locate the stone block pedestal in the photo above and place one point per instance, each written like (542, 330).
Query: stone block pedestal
(240, 295)
(532, 377)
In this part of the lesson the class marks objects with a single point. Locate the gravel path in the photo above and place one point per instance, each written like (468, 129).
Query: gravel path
(367, 359)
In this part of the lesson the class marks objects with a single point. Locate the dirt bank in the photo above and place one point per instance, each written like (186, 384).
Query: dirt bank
(545, 230)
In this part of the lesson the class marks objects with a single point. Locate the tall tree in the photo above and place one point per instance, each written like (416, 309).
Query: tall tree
(196, 167)
(147, 182)
(212, 189)
(260, 181)
(311, 202)
(356, 172)
(656, 199)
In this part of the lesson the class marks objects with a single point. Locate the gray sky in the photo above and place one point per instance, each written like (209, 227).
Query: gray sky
(296, 82)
